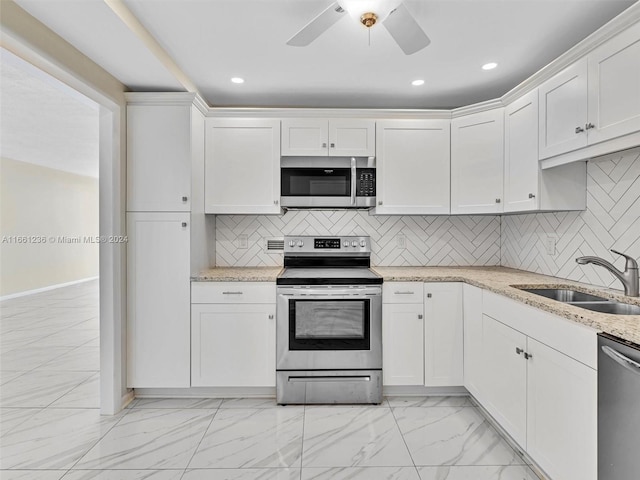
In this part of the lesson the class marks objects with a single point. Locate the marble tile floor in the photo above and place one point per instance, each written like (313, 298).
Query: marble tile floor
(51, 428)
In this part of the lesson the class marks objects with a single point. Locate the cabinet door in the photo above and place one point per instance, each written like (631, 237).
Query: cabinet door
(158, 158)
(402, 344)
(505, 377)
(158, 300)
(412, 167)
(443, 338)
(242, 166)
(563, 111)
(352, 138)
(233, 345)
(521, 169)
(614, 86)
(304, 137)
(477, 162)
(562, 414)
(472, 314)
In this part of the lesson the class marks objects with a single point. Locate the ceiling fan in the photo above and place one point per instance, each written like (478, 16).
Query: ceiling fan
(392, 14)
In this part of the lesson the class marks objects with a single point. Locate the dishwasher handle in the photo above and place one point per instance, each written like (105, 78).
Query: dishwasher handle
(620, 359)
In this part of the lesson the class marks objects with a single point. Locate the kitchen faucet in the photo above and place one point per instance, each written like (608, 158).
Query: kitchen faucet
(629, 277)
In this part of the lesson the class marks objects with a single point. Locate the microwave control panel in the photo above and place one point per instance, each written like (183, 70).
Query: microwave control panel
(366, 184)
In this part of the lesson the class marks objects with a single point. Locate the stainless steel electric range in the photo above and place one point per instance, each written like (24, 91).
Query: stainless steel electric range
(329, 323)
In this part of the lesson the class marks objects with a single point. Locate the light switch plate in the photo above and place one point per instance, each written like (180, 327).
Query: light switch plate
(401, 241)
(550, 245)
(243, 241)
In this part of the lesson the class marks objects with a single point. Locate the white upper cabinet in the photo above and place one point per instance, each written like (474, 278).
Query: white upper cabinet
(521, 154)
(412, 167)
(304, 137)
(159, 158)
(563, 111)
(477, 162)
(242, 166)
(614, 87)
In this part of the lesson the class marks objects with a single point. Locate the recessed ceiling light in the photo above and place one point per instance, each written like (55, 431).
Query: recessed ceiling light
(417, 83)
(489, 66)
(237, 80)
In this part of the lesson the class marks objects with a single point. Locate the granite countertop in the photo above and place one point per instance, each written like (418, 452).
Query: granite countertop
(495, 279)
(238, 274)
(500, 280)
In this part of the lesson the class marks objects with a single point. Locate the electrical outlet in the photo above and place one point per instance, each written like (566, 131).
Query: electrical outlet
(243, 241)
(401, 241)
(550, 245)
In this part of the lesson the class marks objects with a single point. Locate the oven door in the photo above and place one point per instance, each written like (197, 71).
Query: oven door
(329, 328)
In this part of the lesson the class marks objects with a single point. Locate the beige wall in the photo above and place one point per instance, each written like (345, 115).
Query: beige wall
(48, 205)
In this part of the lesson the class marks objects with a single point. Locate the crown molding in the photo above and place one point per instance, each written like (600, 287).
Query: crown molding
(477, 108)
(373, 113)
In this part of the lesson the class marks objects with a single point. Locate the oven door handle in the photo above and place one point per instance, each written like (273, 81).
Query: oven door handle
(330, 296)
(354, 172)
(329, 378)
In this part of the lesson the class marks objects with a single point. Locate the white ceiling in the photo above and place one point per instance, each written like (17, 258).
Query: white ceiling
(214, 40)
(44, 122)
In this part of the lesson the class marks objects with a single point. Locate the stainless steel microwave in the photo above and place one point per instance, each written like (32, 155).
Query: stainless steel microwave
(328, 182)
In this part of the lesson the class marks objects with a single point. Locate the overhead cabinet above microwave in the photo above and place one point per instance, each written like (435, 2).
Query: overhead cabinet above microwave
(308, 137)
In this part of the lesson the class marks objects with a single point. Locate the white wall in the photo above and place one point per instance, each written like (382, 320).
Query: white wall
(612, 220)
(55, 208)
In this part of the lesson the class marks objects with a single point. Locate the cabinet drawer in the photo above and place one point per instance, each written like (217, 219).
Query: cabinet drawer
(233, 292)
(402, 292)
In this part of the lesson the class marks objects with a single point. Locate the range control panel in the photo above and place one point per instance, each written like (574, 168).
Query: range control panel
(326, 245)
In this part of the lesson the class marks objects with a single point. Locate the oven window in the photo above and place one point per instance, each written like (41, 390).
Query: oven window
(316, 182)
(329, 324)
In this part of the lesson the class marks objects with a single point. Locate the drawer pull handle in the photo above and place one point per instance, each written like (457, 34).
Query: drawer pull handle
(232, 293)
(403, 293)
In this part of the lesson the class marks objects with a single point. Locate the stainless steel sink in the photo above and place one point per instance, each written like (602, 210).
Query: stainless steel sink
(564, 295)
(615, 308)
(585, 300)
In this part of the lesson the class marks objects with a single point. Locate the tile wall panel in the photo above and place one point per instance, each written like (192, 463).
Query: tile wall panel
(612, 220)
(432, 240)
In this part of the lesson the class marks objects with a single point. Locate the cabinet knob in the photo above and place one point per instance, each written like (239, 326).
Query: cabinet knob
(271, 316)
(379, 202)
(429, 295)
(420, 317)
(324, 145)
(579, 129)
(589, 126)
(184, 199)
(184, 224)
(275, 202)
(531, 195)
(333, 145)
(519, 350)
(498, 200)
(527, 356)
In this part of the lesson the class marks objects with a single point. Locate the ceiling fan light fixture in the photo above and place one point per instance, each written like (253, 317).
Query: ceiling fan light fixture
(361, 10)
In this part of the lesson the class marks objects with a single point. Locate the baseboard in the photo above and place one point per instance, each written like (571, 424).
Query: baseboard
(421, 391)
(206, 392)
(45, 289)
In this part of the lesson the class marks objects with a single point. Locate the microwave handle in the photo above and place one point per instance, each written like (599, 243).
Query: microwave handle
(354, 172)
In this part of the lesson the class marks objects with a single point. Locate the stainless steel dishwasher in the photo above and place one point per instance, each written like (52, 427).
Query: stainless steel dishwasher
(618, 408)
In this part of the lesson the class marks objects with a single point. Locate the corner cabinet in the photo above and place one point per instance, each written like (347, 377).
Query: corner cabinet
(413, 170)
(242, 166)
(526, 186)
(477, 161)
(307, 137)
(158, 304)
(233, 334)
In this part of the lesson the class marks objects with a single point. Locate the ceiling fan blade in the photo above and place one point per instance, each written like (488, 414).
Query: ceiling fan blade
(317, 26)
(405, 30)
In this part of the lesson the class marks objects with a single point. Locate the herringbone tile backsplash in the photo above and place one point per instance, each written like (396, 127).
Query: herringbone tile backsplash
(464, 240)
(612, 220)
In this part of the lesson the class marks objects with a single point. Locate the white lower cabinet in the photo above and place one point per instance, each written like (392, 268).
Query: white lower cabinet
(443, 337)
(545, 399)
(472, 326)
(158, 300)
(233, 341)
(402, 333)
